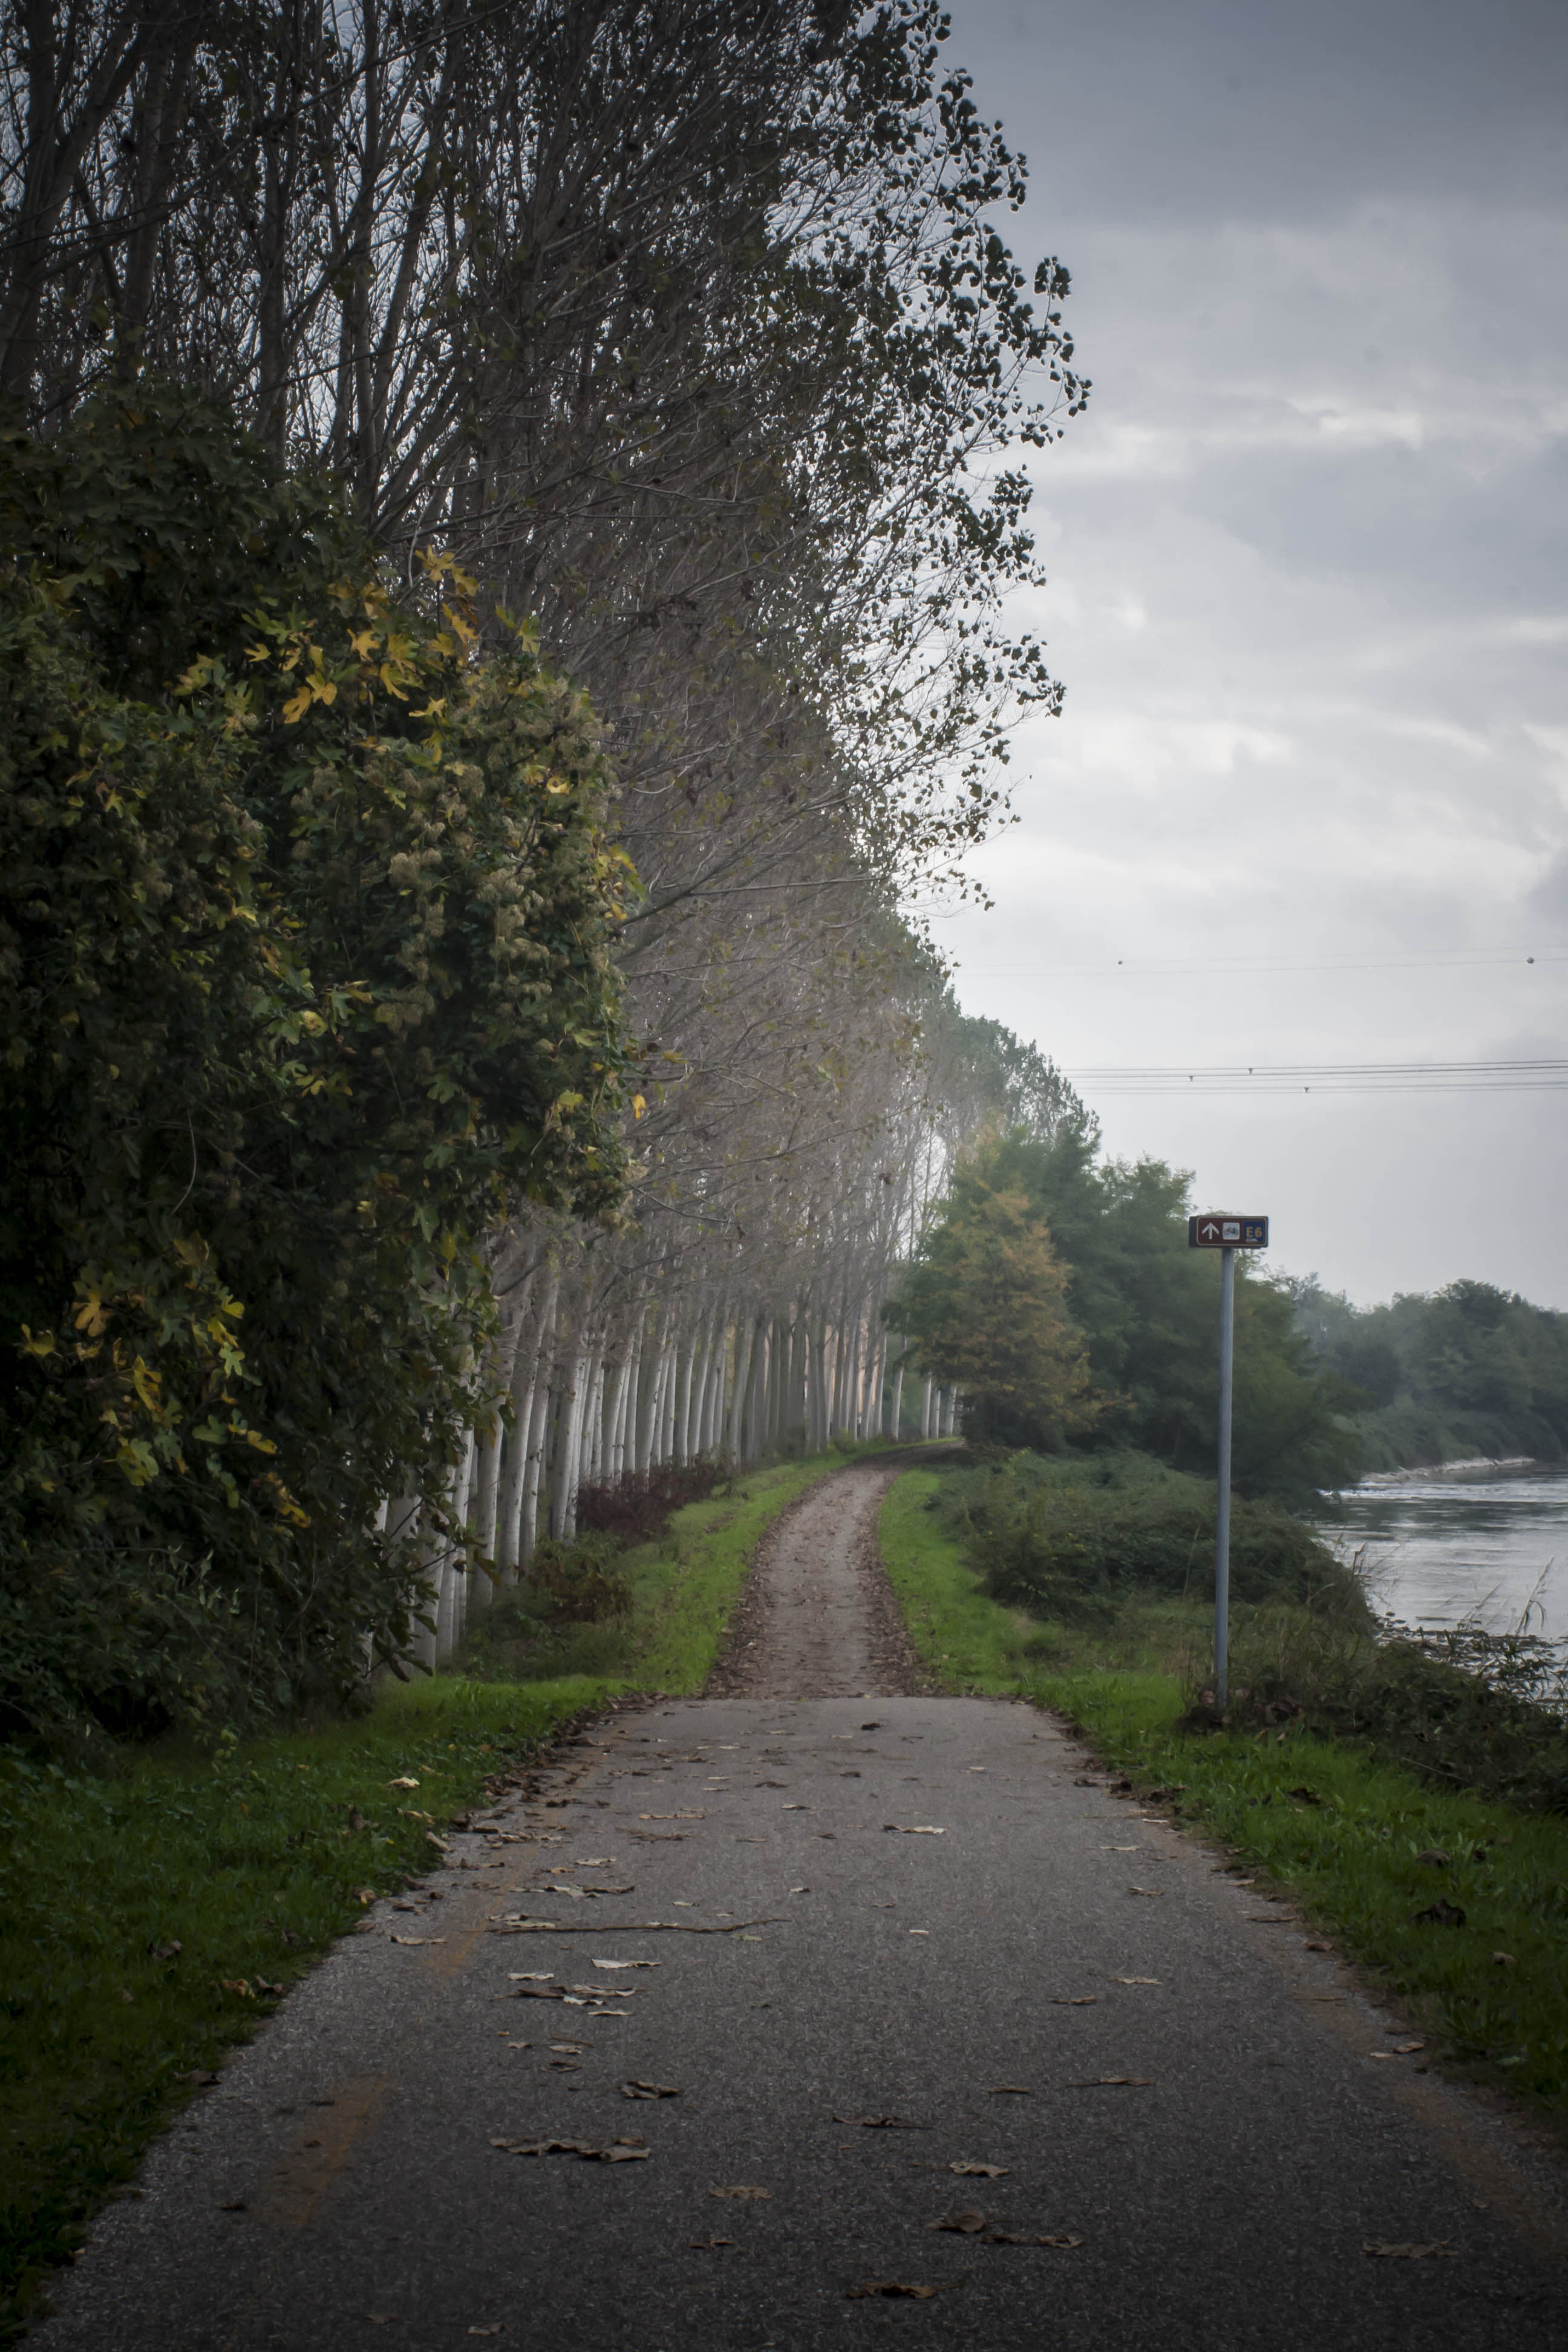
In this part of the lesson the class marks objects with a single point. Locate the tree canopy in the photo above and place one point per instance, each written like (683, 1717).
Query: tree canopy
(1143, 1308)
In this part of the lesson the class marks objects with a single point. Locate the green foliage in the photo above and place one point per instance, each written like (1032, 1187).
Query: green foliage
(984, 1304)
(305, 918)
(1465, 1372)
(1350, 1858)
(1148, 1309)
(1065, 1538)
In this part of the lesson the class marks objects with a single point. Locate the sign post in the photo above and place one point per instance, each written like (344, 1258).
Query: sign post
(1215, 1229)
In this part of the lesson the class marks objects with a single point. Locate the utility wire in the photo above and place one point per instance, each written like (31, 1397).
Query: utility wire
(1544, 1075)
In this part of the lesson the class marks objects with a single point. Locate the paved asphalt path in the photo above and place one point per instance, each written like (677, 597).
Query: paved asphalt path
(1166, 2072)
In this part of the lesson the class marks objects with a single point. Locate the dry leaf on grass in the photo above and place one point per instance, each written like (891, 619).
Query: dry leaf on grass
(618, 2151)
(883, 2123)
(897, 2287)
(763, 2194)
(1410, 2252)
(402, 1782)
(1442, 1914)
(979, 2171)
(967, 2220)
(168, 1951)
(638, 2090)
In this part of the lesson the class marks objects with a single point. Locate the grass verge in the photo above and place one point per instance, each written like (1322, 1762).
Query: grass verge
(149, 1921)
(1340, 1831)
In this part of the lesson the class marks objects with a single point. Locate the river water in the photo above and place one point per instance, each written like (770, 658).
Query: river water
(1478, 1543)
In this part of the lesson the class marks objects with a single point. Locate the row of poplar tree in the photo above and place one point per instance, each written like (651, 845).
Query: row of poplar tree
(506, 514)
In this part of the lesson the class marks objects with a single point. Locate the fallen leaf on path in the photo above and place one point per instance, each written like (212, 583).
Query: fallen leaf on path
(897, 2287)
(1114, 2083)
(1012, 2238)
(1410, 2252)
(979, 2171)
(416, 1940)
(492, 2330)
(532, 1976)
(1442, 1914)
(618, 2151)
(913, 1829)
(1139, 1979)
(637, 2090)
(671, 1817)
(795, 1809)
(1083, 1780)
(882, 2123)
(770, 1784)
(1014, 2090)
(234, 2205)
(765, 2194)
(966, 2220)
(1400, 2050)
(707, 2246)
(627, 1964)
(1088, 2000)
(1146, 1890)
(365, 1895)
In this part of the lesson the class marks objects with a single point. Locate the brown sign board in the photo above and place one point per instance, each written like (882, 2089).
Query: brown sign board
(1217, 1229)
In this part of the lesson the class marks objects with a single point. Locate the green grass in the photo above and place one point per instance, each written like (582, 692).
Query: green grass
(1348, 1859)
(248, 1861)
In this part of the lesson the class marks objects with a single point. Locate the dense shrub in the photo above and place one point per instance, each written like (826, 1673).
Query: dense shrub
(1461, 1707)
(635, 1507)
(304, 976)
(1064, 1536)
(578, 1583)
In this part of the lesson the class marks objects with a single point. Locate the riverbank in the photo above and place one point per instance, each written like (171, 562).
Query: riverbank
(151, 1919)
(1455, 1903)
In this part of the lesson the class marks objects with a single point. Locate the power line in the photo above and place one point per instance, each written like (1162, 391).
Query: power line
(1543, 1075)
(1153, 968)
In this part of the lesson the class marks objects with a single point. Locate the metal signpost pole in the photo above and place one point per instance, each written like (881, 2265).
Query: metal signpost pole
(1216, 1230)
(1222, 1520)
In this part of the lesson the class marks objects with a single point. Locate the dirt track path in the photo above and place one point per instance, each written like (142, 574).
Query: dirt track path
(818, 1619)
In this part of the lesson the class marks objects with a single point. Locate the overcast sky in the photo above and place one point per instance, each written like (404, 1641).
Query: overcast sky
(1307, 803)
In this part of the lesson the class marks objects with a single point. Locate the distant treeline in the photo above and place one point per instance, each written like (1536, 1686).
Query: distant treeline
(1464, 1371)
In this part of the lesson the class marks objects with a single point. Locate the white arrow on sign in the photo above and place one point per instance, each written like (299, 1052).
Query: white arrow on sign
(1210, 1230)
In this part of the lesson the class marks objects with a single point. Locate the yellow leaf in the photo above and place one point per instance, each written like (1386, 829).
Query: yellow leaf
(554, 785)
(296, 706)
(92, 1315)
(43, 1344)
(639, 1104)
